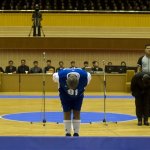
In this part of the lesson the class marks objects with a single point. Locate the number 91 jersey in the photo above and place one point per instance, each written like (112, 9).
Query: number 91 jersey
(82, 76)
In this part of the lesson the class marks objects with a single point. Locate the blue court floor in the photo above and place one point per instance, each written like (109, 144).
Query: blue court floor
(57, 97)
(74, 143)
(57, 117)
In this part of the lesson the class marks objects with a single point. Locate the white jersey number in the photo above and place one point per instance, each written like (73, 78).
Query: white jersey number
(73, 92)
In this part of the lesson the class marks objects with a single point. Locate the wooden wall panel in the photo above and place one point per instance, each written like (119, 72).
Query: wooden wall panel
(68, 55)
(78, 19)
(73, 43)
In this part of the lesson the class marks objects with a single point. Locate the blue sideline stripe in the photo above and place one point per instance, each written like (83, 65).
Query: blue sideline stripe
(57, 97)
(74, 143)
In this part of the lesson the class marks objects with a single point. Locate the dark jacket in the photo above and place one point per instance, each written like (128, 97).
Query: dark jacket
(47, 68)
(1, 69)
(9, 69)
(22, 69)
(36, 70)
(138, 87)
(97, 69)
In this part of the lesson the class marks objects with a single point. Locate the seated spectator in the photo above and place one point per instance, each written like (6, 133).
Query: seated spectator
(123, 63)
(86, 64)
(61, 66)
(49, 68)
(109, 64)
(23, 68)
(35, 69)
(96, 66)
(123, 67)
(1, 70)
(73, 64)
(10, 68)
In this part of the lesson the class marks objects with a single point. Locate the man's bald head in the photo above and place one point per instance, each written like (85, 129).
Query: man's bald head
(72, 81)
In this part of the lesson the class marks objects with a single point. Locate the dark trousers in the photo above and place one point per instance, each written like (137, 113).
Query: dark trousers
(37, 30)
(142, 106)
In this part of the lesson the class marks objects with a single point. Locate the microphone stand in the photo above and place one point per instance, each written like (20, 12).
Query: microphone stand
(43, 96)
(43, 110)
(104, 90)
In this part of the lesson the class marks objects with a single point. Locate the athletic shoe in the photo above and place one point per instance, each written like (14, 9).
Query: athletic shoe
(75, 134)
(68, 134)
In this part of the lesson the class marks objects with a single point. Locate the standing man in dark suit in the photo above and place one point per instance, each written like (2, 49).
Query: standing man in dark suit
(140, 88)
(10, 68)
(23, 68)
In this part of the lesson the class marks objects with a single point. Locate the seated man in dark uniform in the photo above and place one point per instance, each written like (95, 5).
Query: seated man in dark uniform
(1, 70)
(73, 64)
(23, 68)
(86, 64)
(35, 69)
(96, 66)
(61, 66)
(10, 68)
(49, 68)
(140, 88)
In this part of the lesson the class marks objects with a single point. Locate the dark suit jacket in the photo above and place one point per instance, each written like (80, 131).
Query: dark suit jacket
(58, 69)
(49, 67)
(36, 70)
(1, 69)
(22, 69)
(10, 69)
(97, 69)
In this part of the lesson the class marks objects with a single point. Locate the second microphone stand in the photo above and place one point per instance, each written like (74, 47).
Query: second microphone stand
(43, 93)
(104, 90)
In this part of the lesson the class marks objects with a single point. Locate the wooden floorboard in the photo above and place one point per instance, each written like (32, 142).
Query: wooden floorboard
(13, 128)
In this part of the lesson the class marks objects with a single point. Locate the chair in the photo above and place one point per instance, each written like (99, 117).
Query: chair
(129, 76)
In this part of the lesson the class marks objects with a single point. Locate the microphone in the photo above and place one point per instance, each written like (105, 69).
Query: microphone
(44, 55)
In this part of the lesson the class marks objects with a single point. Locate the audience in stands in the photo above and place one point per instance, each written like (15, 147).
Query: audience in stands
(61, 66)
(36, 68)
(96, 66)
(23, 68)
(10, 68)
(126, 5)
(49, 68)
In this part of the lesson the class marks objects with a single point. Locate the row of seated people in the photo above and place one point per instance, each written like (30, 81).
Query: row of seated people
(109, 67)
(23, 68)
(136, 5)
